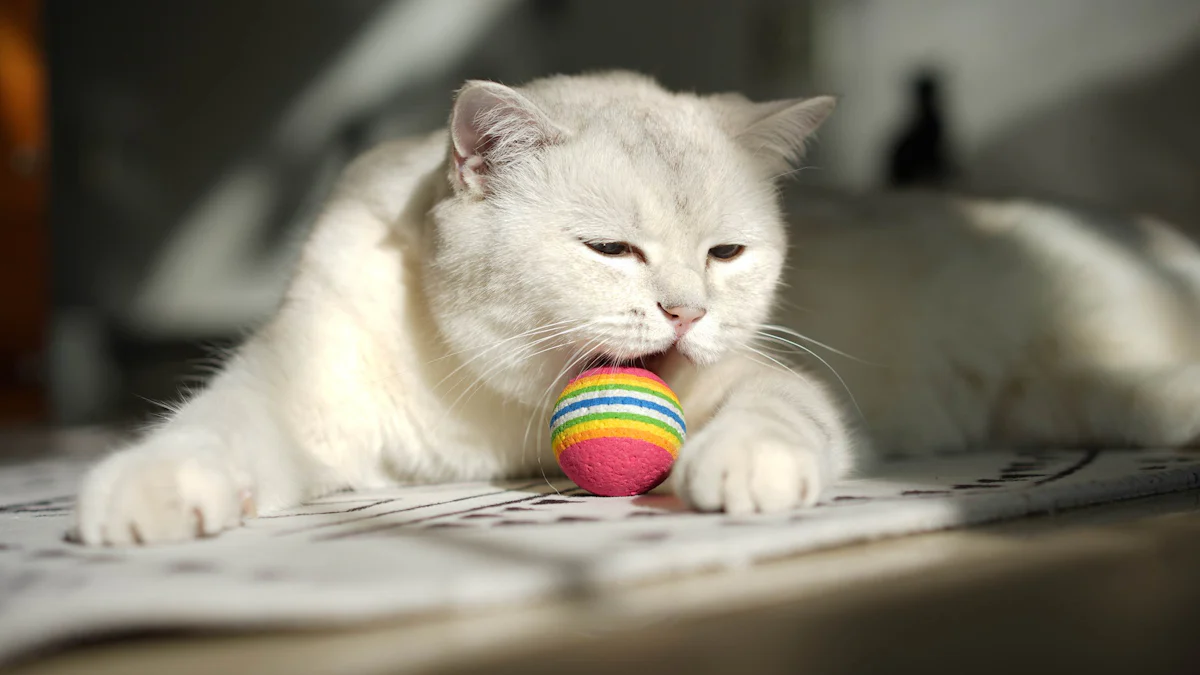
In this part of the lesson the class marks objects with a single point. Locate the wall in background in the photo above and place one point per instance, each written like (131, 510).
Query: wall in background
(1002, 61)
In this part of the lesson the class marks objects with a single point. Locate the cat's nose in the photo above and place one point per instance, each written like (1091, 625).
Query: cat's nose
(682, 318)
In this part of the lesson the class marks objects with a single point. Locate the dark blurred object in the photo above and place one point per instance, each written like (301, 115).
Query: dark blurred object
(154, 104)
(919, 156)
(23, 266)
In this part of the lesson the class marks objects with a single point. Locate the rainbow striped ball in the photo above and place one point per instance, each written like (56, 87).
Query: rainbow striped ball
(617, 431)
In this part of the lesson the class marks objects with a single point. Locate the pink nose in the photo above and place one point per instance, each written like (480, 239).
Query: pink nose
(683, 318)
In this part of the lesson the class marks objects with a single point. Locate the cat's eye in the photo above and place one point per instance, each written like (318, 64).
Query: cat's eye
(612, 248)
(726, 251)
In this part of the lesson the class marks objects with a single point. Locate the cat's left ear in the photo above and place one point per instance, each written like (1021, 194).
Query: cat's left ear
(775, 132)
(492, 126)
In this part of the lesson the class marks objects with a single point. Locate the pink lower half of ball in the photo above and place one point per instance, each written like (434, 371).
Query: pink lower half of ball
(616, 467)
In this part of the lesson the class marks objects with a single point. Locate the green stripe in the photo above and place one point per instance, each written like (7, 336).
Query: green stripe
(626, 387)
(561, 429)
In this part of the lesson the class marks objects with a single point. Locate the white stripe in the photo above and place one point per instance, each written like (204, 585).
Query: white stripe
(588, 410)
(604, 393)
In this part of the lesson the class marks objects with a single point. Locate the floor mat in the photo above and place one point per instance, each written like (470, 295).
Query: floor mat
(405, 551)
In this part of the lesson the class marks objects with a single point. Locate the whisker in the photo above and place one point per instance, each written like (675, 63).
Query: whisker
(534, 331)
(791, 172)
(778, 365)
(469, 392)
(483, 353)
(817, 356)
(801, 336)
(775, 348)
(538, 412)
(521, 358)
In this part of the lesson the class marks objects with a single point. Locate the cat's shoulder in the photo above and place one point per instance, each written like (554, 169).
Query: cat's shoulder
(385, 176)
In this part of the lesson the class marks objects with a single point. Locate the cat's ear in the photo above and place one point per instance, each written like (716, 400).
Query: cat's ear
(775, 132)
(492, 125)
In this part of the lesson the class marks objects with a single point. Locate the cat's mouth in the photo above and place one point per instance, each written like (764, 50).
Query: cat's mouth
(653, 362)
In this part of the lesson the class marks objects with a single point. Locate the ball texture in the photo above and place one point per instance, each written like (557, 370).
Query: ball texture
(617, 431)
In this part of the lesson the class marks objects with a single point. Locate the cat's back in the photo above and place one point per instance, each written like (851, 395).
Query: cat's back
(880, 273)
(952, 256)
(947, 301)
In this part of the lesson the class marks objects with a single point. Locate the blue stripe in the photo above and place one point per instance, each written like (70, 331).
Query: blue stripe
(617, 400)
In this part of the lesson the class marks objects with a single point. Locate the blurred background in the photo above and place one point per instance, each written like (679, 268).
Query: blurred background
(159, 159)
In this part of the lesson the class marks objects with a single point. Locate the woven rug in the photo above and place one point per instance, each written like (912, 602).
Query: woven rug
(406, 551)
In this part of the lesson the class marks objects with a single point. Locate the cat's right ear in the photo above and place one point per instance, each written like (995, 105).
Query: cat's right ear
(492, 126)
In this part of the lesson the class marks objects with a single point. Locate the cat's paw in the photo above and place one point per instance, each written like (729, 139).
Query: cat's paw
(741, 470)
(158, 493)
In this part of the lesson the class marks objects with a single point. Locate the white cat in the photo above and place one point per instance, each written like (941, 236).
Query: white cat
(452, 285)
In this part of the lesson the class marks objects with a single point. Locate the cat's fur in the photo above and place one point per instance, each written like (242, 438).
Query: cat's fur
(446, 293)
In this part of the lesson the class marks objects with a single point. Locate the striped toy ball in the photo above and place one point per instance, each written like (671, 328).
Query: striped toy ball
(617, 431)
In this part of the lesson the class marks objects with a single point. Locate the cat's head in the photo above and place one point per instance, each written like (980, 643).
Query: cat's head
(602, 218)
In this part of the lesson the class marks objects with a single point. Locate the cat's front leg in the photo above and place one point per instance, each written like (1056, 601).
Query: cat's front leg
(175, 485)
(220, 457)
(774, 441)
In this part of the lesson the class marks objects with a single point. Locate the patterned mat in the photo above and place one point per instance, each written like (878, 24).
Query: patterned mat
(359, 556)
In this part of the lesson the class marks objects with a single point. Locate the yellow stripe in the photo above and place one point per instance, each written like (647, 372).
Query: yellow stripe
(619, 378)
(620, 424)
(617, 429)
